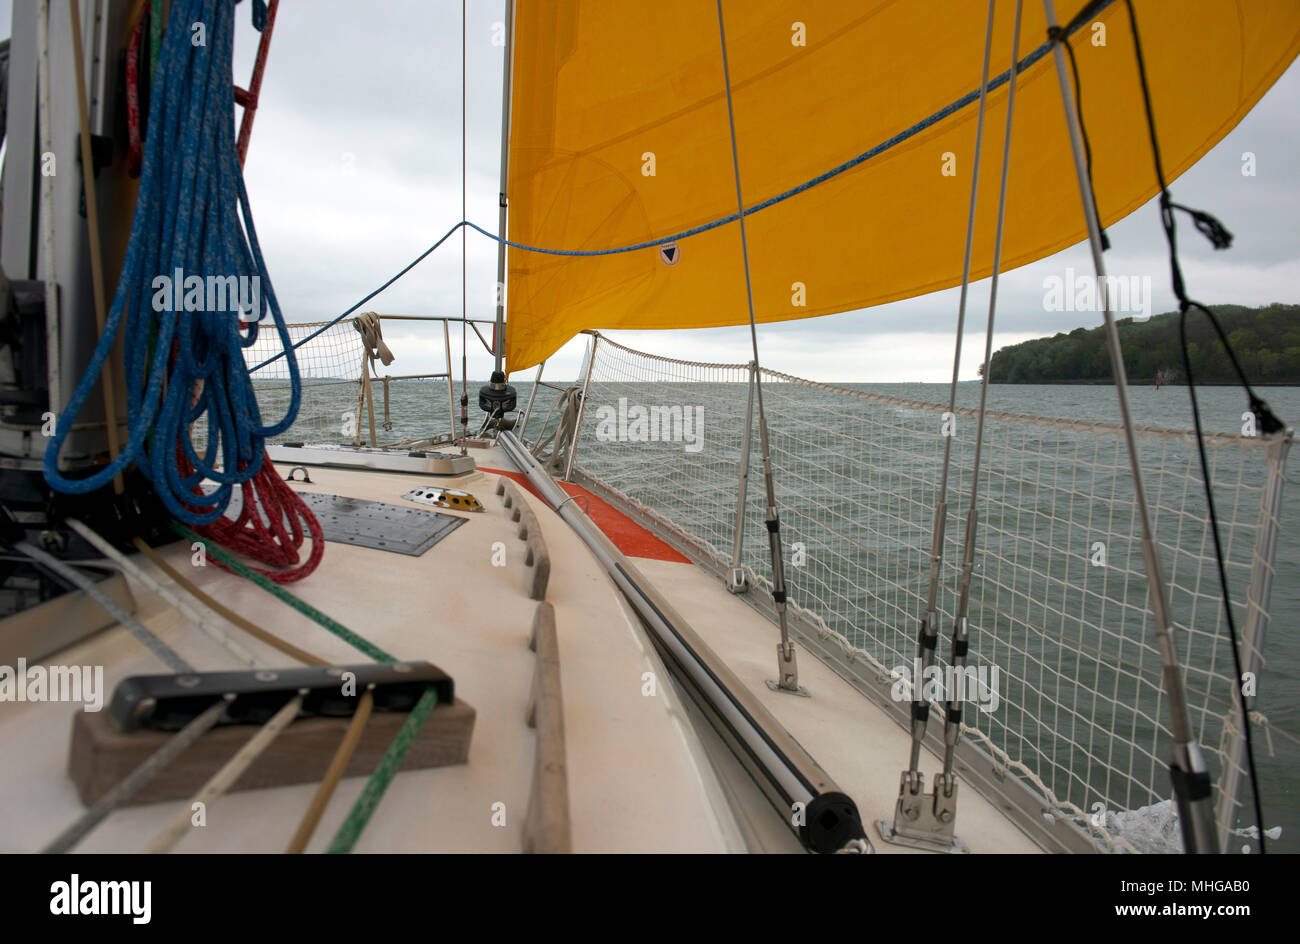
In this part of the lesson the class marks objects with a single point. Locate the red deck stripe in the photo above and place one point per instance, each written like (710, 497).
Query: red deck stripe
(628, 536)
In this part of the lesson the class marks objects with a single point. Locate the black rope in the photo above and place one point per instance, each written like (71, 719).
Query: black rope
(1266, 422)
(1088, 11)
(1061, 34)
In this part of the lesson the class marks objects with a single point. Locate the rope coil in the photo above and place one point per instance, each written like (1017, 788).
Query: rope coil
(187, 225)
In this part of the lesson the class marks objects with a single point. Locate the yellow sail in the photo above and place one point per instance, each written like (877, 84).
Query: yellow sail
(619, 136)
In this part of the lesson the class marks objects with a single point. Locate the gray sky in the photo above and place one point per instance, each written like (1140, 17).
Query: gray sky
(354, 169)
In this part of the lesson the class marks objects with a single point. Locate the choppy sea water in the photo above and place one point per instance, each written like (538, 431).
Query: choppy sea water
(420, 408)
(1221, 410)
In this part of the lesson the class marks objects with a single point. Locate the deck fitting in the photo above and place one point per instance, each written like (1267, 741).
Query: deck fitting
(788, 670)
(922, 820)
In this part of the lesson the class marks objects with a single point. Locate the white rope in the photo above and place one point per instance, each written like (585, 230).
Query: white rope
(371, 330)
(182, 605)
(225, 778)
(128, 787)
(164, 652)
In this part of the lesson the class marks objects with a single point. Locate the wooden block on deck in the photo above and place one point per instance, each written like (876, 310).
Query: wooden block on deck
(101, 756)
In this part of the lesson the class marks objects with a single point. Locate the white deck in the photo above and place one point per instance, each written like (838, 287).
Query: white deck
(639, 777)
(858, 745)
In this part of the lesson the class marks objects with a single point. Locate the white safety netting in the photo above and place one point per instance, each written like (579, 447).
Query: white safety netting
(1059, 593)
(332, 408)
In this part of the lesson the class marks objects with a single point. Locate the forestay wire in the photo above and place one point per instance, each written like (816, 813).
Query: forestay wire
(960, 640)
(787, 675)
(928, 637)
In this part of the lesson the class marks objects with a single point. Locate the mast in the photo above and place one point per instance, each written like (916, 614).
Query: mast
(499, 339)
(498, 398)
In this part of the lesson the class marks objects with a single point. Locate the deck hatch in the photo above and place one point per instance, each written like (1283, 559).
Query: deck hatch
(378, 525)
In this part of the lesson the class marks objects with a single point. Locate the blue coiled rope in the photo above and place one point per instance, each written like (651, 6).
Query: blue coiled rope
(187, 220)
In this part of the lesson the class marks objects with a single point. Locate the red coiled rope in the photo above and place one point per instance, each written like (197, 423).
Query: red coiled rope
(272, 524)
(273, 521)
(136, 158)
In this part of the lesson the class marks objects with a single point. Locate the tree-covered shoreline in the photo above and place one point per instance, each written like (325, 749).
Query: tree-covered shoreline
(1266, 341)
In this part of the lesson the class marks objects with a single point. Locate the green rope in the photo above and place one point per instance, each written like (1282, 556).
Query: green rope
(378, 783)
(392, 760)
(155, 40)
(306, 609)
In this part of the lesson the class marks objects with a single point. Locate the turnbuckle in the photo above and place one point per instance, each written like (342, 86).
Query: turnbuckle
(923, 820)
(787, 672)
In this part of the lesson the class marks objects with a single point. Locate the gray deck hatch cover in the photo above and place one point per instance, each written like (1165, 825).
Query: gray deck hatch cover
(384, 527)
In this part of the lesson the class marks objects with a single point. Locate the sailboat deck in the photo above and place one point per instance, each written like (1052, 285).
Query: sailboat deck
(640, 777)
(861, 747)
(635, 778)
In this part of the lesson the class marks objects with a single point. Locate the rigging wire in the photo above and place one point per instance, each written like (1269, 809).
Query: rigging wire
(960, 635)
(787, 676)
(1267, 422)
(464, 345)
(1062, 34)
(928, 637)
